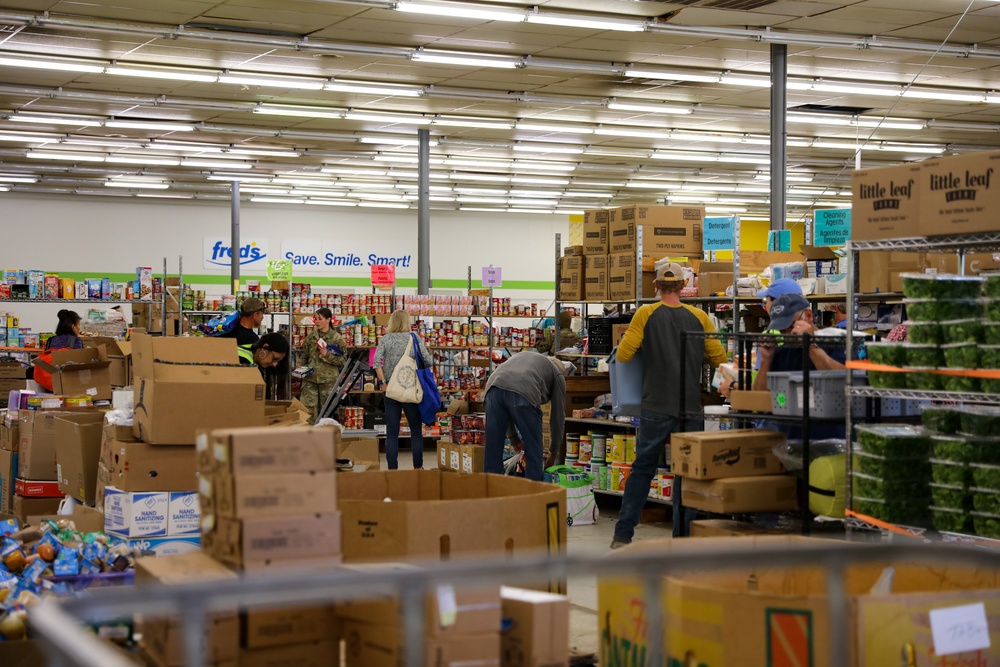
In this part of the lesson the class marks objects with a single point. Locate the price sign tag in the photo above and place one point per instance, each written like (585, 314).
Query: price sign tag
(960, 629)
(279, 269)
(383, 274)
(492, 276)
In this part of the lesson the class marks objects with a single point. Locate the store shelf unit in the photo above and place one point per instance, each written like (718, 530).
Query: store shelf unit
(957, 243)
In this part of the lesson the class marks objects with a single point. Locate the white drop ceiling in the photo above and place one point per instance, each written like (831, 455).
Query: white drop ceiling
(320, 101)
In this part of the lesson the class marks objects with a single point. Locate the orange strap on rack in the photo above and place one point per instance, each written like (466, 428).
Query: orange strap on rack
(882, 524)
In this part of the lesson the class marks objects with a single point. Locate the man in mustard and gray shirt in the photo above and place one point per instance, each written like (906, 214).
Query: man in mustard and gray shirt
(656, 331)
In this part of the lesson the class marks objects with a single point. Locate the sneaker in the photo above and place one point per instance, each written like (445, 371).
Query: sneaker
(618, 544)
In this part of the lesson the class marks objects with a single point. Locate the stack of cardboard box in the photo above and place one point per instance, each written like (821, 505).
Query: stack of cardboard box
(10, 443)
(13, 376)
(732, 472)
(466, 452)
(269, 496)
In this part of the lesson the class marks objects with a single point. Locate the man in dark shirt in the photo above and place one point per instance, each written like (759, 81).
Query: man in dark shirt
(251, 316)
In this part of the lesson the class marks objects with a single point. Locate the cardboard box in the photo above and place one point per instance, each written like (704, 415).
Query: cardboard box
(269, 541)
(280, 626)
(959, 194)
(8, 471)
(86, 519)
(718, 454)
(582, 390)
(444, 454)
(885, 202)
(304, 654)
(137, 466)
(370, 645)
(573, 250)
(747, 400)
(164, 637)
(429, 514)
(168, 545)
(12, 375)
(23, 507)
(30, 488)
(448, 611)
(473, 458)
(595, 278)
(735, 495)
(571, 275)
(595, 232)
(725, 528)
(621, 277)
(113, 439)
(184, 385)
(363, 453)
(10, 437)
(268, 495)
(119, 354)
(80, 372)
(272, 450)
(286, 413)
(667, 231)
(538, 635)
(78, 449)
(37, 429)
(183, 513)
(142, 514)
(714, 278)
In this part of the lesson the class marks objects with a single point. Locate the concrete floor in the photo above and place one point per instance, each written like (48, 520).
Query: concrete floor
(590, 540)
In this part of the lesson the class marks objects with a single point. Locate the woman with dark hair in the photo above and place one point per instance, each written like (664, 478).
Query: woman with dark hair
(67, 332)
(270, 353)
(323, 351)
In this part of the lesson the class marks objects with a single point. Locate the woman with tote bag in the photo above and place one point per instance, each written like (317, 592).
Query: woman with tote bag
(395, 361)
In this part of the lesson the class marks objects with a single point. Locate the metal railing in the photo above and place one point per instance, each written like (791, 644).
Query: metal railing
(59, 624)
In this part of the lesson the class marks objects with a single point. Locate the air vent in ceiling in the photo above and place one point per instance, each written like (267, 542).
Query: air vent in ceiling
(829, 108)
(744, 5)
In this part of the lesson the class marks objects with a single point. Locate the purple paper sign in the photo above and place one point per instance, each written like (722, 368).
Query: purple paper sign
(492, 276)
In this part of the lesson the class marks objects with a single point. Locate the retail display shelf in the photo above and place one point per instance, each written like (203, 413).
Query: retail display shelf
(921, 395)
(981, 241)
(813, 298)
(991, 374)
(599, 422)
(657, 501)
(860, 521)
(94, 301)
(30, 350)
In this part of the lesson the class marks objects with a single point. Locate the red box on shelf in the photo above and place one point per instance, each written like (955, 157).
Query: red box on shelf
(30, 488)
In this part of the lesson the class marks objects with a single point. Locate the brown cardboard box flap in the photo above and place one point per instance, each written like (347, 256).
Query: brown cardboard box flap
(152, 353)
(88, 358)
(818, 253)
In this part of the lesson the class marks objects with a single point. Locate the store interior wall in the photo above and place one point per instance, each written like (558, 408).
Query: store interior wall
(77, 237)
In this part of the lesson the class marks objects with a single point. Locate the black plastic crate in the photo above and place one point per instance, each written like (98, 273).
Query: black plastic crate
(600, 333)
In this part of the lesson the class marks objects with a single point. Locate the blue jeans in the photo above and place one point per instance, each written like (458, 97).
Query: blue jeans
(393, 416)
(654, 430)
(502, 408)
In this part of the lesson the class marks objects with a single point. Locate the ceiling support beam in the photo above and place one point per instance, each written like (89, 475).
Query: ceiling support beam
(779, 133)
(423, 211)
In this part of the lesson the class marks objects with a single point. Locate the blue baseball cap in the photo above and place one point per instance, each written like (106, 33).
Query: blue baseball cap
(785, 309)
(779, 287)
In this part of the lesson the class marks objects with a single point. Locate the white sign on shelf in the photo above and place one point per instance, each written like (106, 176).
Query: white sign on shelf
(960, 629)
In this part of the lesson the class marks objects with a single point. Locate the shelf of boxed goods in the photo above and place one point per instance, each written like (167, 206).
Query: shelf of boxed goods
(960, 244)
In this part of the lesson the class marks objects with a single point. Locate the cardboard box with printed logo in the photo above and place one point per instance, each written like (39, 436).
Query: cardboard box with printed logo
(287, 449)
(595, 278)
(266, 627)
(371, 645)
(737, 495)
(885, 202)
(571, 278)
(258, 543)
(184, 385)
(595, 232)
(621, 277)
(271, 494)
(959, 194)
(717, 454)
(667, 231)
(538, 635)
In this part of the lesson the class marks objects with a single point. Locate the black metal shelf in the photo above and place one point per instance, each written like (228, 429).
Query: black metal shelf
(980, 241)
(921, 395)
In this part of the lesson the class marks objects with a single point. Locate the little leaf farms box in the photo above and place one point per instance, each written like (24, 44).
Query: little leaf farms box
(184, 385)
(885, 202)
(960, 194)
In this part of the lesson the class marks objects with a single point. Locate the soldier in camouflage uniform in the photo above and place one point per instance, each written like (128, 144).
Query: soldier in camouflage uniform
(326, 359)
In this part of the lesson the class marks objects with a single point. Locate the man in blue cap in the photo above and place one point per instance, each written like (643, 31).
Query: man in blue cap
(776, 289)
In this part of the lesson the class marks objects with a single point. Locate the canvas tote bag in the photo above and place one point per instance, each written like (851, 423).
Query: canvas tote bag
(404, 385)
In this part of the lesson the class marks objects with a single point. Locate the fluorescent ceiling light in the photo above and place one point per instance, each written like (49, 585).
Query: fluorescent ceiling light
(262, 151)
(685, 157)
(148, 185)
(66, 65)
(749, 80)
(535, 211)
(277, 200)
(215, 164)
(540, 180)
(713, 138)
(101, 142)
(554, 166)
(238, 177)
(725, 209)
(31, 138)
(471, 59)
(470, 162)
(162, 145)
(485, 178)
(14, 178)
(381, 204)
(59, 155)
(548, 148)
(530, 202)
(886, 90)
(599, 184)
(553, 127)
(129, 159)
(52, 119)
(149, 125)
(365, 184)
(162, 195)
(615, 131)
(456, 10)
(163, 73)
(275, 81)
(331, 202)
(474, 122)
(353, 171)
(650, 185)
(308, 182)
(387, 118)
(374, 88)
(587, 195)
(303, 112)
(482, 200)
(536, 193)
(671, 75)
(650, 107)
(582, 22)
(971, 96)
(763, 160)
(305, 192)
(857, 121)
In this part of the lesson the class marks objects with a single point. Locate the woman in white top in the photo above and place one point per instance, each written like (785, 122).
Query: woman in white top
(390, 350)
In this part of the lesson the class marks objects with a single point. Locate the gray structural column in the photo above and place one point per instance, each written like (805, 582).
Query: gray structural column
(234, 265)
(779, 133)
(423, 211)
